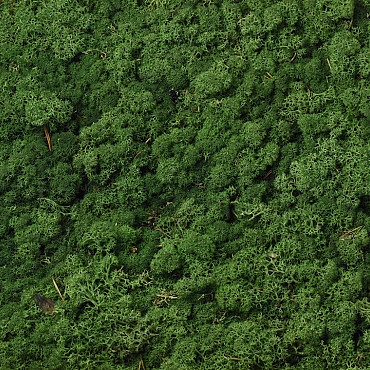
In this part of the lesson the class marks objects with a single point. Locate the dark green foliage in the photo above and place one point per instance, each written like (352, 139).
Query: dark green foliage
(44, 108)
(205, 204)
(167, 260)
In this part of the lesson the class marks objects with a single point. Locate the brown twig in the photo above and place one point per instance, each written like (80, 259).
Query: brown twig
(343, 236)
(56, 287)
(267, 175)
(158, 228)
(141, 363)
(138, 154)
(293, 57)
(327, 59)
(47, 136)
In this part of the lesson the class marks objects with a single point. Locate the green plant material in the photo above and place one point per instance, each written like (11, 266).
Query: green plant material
(206, 201)
(43, 109)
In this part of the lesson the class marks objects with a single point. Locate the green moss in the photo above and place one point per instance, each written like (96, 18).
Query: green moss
(205, 202)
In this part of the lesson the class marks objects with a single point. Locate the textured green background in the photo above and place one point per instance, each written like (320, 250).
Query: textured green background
(227, 230)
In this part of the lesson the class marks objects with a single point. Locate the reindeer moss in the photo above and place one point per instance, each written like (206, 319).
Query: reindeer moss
(205, 203)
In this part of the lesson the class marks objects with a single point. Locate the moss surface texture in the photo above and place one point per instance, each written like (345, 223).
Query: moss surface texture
(193, 176)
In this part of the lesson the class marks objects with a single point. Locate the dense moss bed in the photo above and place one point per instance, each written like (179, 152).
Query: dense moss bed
(193, 176)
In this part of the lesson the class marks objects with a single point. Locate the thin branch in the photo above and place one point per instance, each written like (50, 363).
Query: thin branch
(47, 137)
(57, 288)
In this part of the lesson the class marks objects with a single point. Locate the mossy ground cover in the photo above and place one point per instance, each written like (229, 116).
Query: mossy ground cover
(205, 202)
